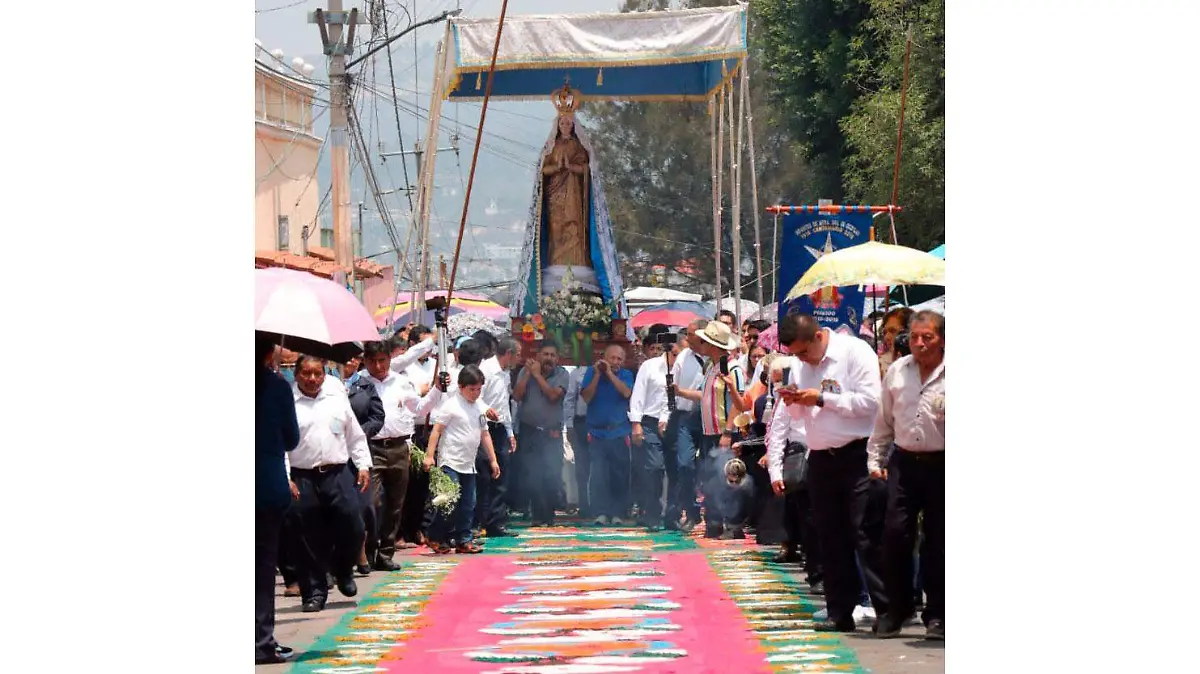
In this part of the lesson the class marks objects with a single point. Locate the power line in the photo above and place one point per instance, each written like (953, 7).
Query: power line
(276, 9)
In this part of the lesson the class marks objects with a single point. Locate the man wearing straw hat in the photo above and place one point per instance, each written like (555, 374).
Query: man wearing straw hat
(721, 399)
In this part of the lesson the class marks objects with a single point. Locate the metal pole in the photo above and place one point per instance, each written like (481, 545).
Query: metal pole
(427, 162)
(775, 260)
(735, 166)
(720, 185)
(753, 180)
(716, 189)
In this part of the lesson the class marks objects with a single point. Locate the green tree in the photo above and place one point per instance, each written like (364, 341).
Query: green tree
(657, 163)
(821, 60)
(871, 128)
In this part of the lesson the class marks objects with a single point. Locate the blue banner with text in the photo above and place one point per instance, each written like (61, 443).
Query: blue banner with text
(808, 235)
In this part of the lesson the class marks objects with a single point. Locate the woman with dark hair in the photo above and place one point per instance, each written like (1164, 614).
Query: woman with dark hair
(894, 323)
(459, 427)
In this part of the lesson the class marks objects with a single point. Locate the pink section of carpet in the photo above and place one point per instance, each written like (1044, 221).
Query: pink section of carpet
(713, 631)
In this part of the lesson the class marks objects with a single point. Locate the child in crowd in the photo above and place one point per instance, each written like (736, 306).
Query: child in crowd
(459, 428)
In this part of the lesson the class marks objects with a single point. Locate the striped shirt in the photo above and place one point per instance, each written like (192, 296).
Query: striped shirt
(715, 402)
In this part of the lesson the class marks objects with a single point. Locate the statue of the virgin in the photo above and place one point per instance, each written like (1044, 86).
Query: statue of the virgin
(569, 234)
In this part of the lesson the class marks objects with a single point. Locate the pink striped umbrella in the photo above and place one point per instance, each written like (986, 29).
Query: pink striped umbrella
(298, 305)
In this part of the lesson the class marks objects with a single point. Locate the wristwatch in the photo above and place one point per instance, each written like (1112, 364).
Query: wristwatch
(821, 399)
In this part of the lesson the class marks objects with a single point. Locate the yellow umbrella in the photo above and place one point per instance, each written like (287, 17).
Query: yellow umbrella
(871, 263)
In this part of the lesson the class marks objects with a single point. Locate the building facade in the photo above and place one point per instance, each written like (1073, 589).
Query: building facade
(286, 151)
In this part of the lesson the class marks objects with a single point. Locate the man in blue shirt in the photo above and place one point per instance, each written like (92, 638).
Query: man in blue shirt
(606, 388)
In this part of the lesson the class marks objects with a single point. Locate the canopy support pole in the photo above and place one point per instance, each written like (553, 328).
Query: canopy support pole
(429, 161)
(720, 185)
(749, 112)
(735, 197)
(775, 259)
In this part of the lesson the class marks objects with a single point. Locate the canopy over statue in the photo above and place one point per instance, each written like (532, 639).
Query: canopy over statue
(679, 55)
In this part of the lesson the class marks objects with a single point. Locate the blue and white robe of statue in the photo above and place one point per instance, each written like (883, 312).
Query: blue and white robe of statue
(535, 280)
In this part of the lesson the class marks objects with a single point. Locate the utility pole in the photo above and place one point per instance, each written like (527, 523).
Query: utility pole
(358, 249)
(330, 23)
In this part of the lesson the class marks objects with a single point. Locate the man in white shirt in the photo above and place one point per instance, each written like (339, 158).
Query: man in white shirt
(684, 433)
(648, 413)
(913, 417)
(326, 513)
(836, 397)
(491, 507)
(390, 446)
(416, 518)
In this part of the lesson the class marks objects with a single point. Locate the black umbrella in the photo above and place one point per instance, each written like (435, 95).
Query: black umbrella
(338, 353)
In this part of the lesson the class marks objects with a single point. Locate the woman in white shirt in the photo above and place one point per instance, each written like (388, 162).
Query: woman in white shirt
(459, 428)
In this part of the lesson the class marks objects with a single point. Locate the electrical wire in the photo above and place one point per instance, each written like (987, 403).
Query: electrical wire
(276, 9)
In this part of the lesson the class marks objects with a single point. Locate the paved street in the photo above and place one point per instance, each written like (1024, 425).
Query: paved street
(613, 599)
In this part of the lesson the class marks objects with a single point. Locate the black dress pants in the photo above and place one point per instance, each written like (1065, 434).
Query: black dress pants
(802, 530)
(416, 516)
(328, 525)
(916, 484)
(838, 483)
(389, 487)
(267, 524)
(491, 496)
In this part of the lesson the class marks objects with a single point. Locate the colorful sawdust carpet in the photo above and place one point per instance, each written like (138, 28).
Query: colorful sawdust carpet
(583, 600)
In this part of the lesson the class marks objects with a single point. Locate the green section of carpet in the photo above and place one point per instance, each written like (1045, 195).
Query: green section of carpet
(780, 611)
(580, 537)
(390, 614)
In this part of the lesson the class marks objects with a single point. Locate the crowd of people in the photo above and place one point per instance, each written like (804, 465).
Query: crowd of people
(827, 448)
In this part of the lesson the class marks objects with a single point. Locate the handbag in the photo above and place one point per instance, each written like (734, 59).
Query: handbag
(795, 466)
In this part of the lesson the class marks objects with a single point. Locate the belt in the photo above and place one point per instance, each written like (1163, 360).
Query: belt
(927, 455)
(653, 420)
(608, 427)
(388, 443)
(859, 444)
(581, 416)
(327, 468)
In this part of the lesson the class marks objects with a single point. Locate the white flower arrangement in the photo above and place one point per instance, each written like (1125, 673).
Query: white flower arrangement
(569, 306)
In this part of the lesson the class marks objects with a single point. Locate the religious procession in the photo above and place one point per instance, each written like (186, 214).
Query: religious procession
(622, 458)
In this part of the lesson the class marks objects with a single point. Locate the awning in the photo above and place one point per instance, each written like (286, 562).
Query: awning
(667, 55)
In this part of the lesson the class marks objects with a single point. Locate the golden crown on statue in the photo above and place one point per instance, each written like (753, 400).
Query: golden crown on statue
(566, 100)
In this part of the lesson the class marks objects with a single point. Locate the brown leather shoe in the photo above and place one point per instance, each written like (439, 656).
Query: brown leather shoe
(292, 590)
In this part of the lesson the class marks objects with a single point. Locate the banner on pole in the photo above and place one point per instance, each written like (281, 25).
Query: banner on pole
(807, 236)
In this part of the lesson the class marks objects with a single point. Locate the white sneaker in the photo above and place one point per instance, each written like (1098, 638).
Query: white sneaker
(864, 615)
(601, 521)
(618, 522)
(823, 614)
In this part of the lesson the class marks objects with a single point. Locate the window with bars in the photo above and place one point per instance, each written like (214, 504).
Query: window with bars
(282, 237)
(326, 237)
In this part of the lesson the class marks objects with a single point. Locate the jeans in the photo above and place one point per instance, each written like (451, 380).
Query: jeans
(683, 437)
(610, 476)
(648, 468)
(455, 528)
(583, 465)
